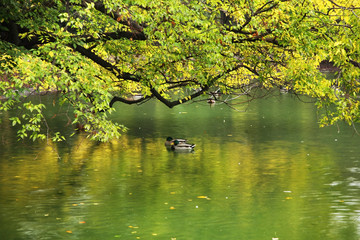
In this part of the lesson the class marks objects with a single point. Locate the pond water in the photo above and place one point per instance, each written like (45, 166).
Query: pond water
(269, 172)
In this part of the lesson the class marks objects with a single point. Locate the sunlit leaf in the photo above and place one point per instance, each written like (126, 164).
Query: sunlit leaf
(202, 197)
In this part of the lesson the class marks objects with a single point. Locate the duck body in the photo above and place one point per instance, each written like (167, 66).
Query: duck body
(182, 146)
(170, 141)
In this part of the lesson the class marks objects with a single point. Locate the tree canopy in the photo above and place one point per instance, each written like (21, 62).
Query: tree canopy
(97, 53)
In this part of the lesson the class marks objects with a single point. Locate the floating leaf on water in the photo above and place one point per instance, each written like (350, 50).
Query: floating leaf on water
(202, 197)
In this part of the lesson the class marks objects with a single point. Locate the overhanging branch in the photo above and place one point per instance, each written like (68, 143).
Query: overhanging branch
(108, 66)
(172, 104)
(127, 101)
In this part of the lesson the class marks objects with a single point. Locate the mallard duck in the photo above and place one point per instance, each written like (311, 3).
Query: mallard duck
(170, 141)
(177, 146)
(211, 101)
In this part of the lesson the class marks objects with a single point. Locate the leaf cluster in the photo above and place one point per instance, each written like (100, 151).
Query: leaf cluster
(96, 53)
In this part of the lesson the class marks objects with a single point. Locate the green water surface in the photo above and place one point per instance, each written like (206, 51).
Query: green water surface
(265, 173)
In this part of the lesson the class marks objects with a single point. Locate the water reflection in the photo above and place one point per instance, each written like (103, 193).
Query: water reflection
(268, 172)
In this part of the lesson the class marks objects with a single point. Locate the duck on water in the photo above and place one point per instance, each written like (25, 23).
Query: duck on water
(179, 144)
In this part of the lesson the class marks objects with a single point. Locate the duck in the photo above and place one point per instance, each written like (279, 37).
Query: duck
(170, 141)
(178, 146)
(211, 101)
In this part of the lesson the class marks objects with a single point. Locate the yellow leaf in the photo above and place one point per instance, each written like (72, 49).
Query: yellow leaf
(202, 197)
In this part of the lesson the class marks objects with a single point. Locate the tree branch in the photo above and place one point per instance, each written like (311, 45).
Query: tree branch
(355, 63)
(134, 26)
(342, 7)
(123, 100)
(263, 9)
(108, 66)
(172, 104)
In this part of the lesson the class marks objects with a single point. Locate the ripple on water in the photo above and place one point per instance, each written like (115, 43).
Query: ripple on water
(354, 169)
(354, 184)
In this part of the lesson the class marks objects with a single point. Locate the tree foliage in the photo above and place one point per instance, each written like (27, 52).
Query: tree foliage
(96, 53)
